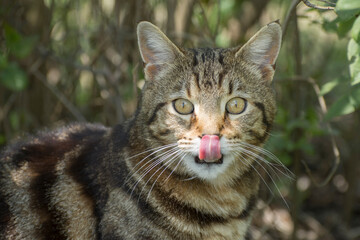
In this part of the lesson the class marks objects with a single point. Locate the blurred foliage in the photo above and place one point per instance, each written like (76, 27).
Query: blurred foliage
(11, 75)
(63, 61)
(281, 141)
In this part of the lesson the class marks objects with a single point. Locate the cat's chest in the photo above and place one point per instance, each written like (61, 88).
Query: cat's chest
(191, 214)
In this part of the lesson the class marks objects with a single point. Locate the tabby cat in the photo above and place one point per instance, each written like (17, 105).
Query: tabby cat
(183, 167)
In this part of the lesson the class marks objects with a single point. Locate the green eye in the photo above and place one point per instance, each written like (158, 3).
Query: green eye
(183, 106)
(236, 105)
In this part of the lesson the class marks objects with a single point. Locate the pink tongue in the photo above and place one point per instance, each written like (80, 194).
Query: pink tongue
(209, 148)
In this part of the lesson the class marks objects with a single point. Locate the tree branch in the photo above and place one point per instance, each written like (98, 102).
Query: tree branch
(290, 13)
(311, 5)
(335, 148)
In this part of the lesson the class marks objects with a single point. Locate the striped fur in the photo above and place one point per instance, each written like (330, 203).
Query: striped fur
(140, 180)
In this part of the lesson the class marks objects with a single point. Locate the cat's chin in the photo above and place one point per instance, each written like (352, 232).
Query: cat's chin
(208, 171)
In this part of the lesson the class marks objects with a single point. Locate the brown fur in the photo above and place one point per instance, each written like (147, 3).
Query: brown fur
(86, 181)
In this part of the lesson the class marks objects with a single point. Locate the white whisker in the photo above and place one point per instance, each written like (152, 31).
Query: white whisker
(142, 160)
(246, 150)
(272, 166)
(243, 158)
(165, 165)
(182, 157)
(153, 165)
(158, 149)
(172, 159)
(270, 155)
(188, 179)
(271, 178)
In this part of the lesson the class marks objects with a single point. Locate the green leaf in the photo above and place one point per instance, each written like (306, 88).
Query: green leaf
(18, 45)
(343, 27)
(329, 86)
(3, 60)
(353, 54)
(355, 94)
(342, 106)
(330, 26)
(354, 68)
(347, 9)
(13, 77)
(355, 30)
(346, 104)
(353, 50)
(356, 79)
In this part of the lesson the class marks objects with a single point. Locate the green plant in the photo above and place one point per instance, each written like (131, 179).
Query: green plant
(18, 47)
(347, 24)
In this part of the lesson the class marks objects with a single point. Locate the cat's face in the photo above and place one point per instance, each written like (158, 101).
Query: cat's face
(209, 108)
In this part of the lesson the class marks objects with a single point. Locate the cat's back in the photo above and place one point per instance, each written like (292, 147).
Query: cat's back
(39, 191)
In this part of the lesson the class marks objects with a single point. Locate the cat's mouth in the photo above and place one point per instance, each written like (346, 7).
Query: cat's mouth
(209, 150)
(203, 161)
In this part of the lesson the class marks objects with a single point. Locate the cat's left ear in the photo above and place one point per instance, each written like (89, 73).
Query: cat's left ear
(157, 51)
(263, 49)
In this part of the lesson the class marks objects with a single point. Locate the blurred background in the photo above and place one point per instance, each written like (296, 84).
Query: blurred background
(77, 60)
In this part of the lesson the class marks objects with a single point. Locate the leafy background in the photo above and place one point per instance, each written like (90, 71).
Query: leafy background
(77, 60)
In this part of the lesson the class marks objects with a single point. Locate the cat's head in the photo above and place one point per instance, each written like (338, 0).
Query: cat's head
(207, 111)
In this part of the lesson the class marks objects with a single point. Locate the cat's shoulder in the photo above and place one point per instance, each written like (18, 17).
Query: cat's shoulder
(48, 145)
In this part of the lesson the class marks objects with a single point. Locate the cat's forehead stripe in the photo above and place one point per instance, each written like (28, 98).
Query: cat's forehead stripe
(221, 58)
(230, 88)
(196, 76)
(208, 67)
(195, 60)
(207, 55)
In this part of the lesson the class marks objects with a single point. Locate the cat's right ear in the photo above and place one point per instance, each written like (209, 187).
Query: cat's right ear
(157, 51)
(263, 49)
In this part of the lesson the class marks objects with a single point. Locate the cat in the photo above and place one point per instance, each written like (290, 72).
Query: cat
(181, 168)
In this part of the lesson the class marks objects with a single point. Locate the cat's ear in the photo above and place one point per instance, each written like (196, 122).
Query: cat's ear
(157, 51)
(262, 49)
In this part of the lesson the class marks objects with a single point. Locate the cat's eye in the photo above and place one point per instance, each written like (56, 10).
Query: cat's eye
(183, 106)
(236, 105)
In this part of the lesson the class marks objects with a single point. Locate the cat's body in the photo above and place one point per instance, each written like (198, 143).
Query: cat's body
(181, 168)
